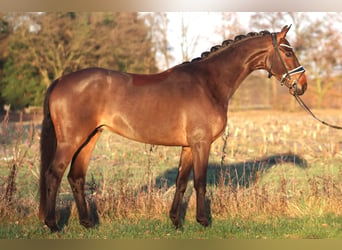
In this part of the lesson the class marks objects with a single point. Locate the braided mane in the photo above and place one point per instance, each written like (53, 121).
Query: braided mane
(227, 43)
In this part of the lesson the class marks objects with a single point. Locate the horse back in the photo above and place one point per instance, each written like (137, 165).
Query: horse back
(157, 109)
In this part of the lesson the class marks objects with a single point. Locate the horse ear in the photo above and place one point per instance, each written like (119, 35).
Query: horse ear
(284, 30)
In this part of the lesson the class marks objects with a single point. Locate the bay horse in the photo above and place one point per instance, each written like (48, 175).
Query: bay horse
(184, 106)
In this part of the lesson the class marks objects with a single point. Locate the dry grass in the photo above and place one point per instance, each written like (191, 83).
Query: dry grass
(275, 164)
(292, 166)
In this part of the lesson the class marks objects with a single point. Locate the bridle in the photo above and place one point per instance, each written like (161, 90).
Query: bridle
(287, 77)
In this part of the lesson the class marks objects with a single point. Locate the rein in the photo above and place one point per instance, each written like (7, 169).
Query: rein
(307, 109)
(288, 74)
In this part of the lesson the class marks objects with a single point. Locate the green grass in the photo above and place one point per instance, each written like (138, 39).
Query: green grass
(281, 178)
(326, 227)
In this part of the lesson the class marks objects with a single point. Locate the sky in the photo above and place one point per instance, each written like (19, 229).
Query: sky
(203, 26)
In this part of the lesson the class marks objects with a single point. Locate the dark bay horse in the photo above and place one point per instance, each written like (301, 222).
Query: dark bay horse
(183, 106)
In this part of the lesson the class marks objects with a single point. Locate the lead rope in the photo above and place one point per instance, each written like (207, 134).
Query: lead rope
(306, 108)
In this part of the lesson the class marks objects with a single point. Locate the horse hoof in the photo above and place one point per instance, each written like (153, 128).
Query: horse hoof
(177, 224)
(53, 226)
(203, 221)
(87, 223)
(175, 221)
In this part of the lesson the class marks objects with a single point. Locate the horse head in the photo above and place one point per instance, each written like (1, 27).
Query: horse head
(284, 64)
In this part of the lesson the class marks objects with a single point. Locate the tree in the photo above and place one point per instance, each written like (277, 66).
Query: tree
(320, 52)
(188, 44)
(269, 20)
(21, 88)
(230, 25)
(132, 44)
(5, 31)
(158, 24)
(46, 46)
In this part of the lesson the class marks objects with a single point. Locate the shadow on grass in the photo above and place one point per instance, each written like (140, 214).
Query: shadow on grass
(64, 214)
(242, 174)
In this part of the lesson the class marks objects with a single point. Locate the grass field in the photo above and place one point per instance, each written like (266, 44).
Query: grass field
(281, 177)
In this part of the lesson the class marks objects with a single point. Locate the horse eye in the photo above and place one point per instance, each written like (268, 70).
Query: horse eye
(288, 54)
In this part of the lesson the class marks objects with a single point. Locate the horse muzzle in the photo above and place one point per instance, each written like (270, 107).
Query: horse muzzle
(297, 86)
(297, 89)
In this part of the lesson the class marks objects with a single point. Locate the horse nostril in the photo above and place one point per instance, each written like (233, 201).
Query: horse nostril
(301, 90)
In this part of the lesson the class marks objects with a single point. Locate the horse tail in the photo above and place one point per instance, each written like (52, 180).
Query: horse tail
(48, 145)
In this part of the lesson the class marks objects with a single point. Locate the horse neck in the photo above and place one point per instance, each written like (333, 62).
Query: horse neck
(228, 68)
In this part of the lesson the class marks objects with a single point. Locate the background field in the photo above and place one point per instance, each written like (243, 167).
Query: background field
(281, 177)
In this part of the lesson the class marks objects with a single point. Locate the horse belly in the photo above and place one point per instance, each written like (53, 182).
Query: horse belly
(146, 128)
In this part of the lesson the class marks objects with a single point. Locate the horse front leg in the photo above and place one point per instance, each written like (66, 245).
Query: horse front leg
(200, 152)
(184, 169)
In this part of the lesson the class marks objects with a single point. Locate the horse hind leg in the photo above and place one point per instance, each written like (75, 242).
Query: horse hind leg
(76, 178)
(53, 177)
